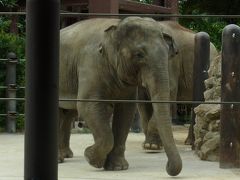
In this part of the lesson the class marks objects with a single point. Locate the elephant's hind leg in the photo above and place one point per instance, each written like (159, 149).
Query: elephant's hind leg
(122, 119)
(65, 122)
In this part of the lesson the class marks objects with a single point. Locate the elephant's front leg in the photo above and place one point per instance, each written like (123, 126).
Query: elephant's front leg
(65, 122)
(152, 138)
(122, 119)
(97, 117)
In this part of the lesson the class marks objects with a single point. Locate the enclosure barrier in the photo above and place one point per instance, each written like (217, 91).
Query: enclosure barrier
(11, 92)
(75, 14)
(200, 74)
(230, 91)
(134, 101)
(11, 88)
(41, 106)
(34, 140)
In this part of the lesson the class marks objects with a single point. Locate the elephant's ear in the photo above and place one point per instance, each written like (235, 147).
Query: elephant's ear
(173, 49)
(107, 36)
(109, 32)
(108, 46)
(111, 28)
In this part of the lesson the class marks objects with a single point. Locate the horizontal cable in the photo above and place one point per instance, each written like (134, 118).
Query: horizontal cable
(148, 15)
(6, 87)
(75, 14)
(12, 13)
(12, 115)
(4, 60)
(131, 101)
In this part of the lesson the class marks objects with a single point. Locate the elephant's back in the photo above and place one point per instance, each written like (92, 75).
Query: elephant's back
(85, 32)
(80, 42)
(79, 45)
(181, 65)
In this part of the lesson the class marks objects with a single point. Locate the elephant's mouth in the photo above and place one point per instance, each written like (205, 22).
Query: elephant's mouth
(128, 83)
(130, 76)
(135, 81)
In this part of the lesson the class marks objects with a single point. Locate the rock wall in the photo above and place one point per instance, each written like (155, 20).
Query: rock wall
(207, 127)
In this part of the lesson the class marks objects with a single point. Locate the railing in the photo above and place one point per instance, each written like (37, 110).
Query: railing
(230, 85)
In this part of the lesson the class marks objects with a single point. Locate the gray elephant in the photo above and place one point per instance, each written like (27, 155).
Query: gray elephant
(181, 80)
(108, 59)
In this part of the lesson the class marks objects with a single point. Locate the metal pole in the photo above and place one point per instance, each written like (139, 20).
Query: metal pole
(200, 68)
(11, 92)
(201, 64)
(40, 161)
(230, 114)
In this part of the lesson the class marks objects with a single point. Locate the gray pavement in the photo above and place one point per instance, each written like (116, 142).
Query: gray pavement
(143, 166)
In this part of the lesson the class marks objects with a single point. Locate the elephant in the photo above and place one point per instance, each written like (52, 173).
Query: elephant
(108, 59)
(180, 76)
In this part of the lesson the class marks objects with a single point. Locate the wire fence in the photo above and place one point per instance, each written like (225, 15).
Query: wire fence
(231, 103)
(75, 14)
(18, 87)
(132, 101)
(5, 60)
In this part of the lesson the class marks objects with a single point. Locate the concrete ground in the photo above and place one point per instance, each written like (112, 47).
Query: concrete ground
(143, 166)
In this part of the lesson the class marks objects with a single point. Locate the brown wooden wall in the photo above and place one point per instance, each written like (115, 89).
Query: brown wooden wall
(117, 7)
(106, 6)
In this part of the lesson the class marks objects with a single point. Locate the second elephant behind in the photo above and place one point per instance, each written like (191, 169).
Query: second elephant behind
(181, 79)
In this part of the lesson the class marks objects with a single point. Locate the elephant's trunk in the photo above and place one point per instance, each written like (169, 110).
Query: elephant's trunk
(159, 90)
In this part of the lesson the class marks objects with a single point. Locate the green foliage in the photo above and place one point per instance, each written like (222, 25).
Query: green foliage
(211, 7)
(8, 3)
(11, 43)
(213, 26)
(146, 1)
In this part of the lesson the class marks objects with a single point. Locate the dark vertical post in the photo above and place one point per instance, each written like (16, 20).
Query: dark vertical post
(200, 68)
(173, 4)
(103, 6)
(11, 92)
(157, 2)
(201, 64)
(230, 114)
(40, 161)
(13, 26)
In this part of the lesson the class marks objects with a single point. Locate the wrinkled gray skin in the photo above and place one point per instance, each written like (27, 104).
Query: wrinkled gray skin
(108, 59)
(181, 80)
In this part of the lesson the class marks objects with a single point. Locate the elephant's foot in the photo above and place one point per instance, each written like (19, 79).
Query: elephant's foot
(190, 141)
(60, 158)
(64, 153)
(94, 157)
(153, 142)
(116, 164)
(68, 153)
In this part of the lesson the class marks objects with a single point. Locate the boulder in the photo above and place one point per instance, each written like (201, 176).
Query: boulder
(207, 125)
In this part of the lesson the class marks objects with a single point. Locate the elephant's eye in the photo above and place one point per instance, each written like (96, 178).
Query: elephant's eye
(139, 55)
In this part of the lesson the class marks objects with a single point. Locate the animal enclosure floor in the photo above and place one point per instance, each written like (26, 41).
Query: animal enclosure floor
(143, 166)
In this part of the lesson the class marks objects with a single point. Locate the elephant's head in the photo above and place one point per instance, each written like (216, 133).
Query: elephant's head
(139, 52)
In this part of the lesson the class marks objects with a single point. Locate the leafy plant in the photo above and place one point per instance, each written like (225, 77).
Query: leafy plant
(213, 26)
(10, 42)
(146, 1)
(8, 3)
